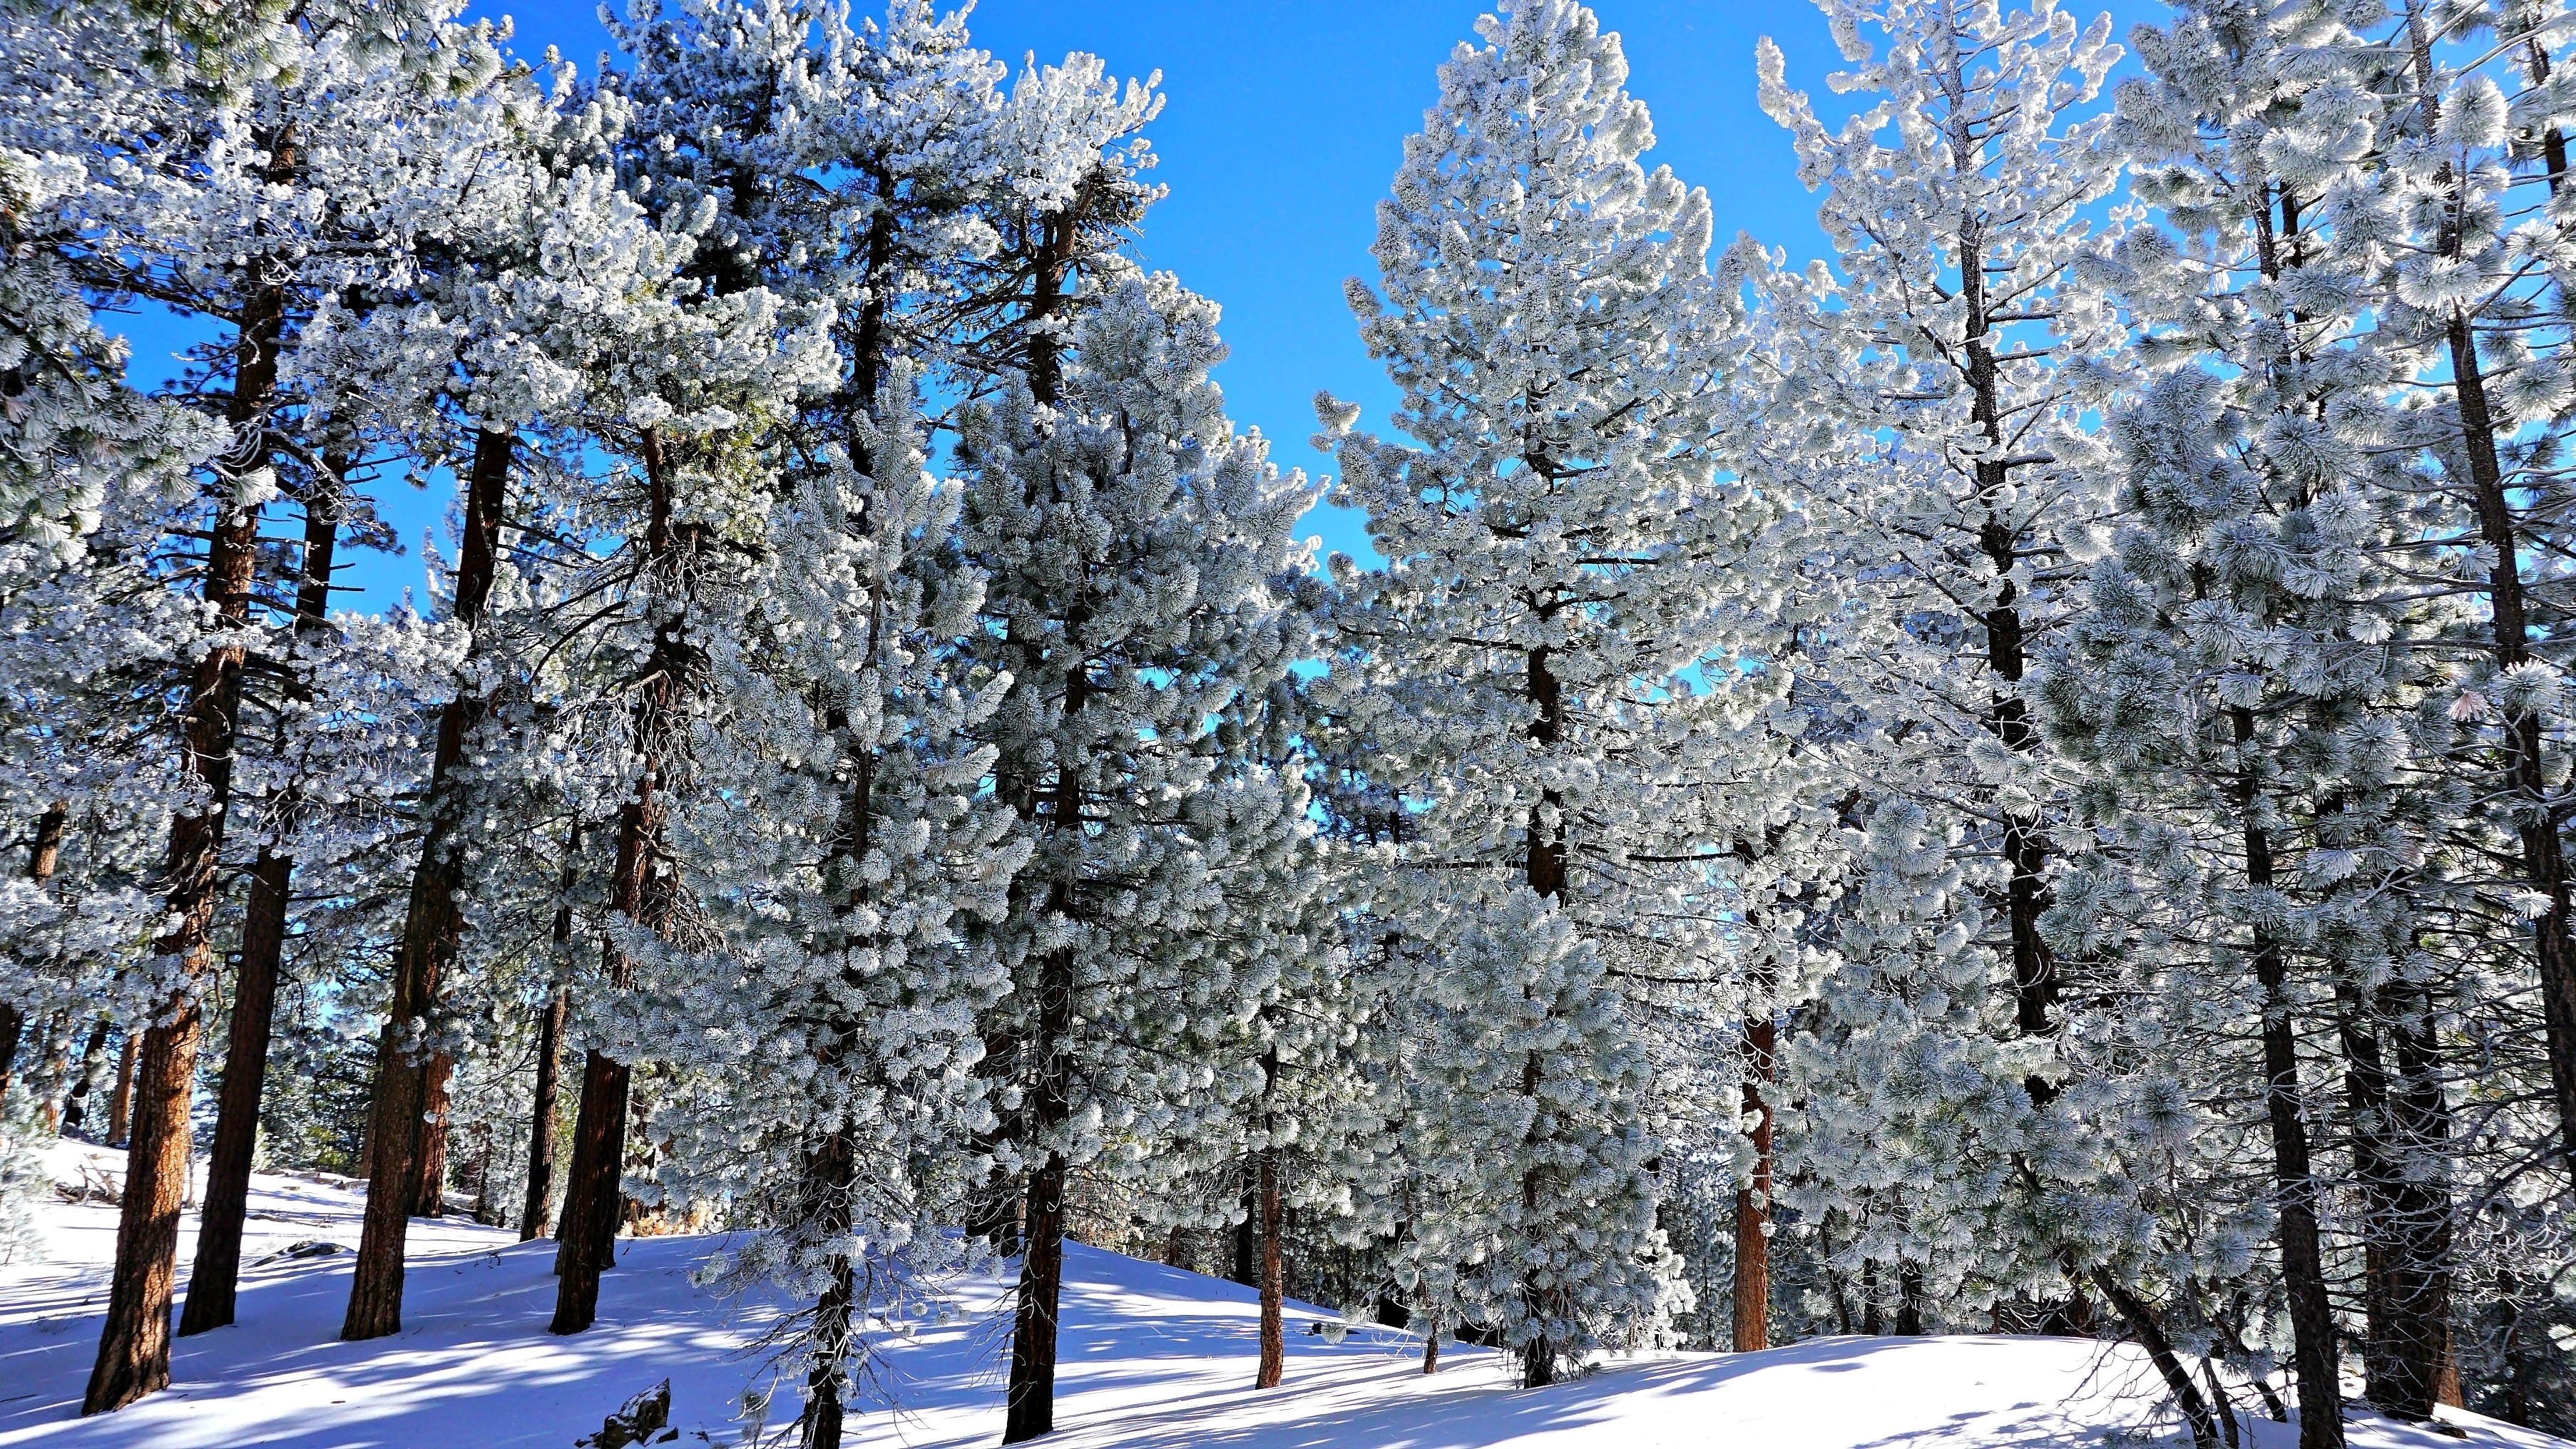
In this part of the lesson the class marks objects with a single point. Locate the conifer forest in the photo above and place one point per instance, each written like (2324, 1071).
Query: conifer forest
(2012, 778)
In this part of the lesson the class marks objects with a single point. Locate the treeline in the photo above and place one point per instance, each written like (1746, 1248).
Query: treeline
(2012, 778)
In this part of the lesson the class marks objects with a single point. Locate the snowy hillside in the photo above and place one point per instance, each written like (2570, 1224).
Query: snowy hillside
(1154, 1358)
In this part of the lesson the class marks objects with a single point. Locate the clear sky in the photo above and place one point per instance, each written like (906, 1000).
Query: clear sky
(1282, 128)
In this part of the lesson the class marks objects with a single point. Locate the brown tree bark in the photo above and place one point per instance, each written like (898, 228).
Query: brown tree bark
(120, 1102)
(134, 1343)
(433, 926)
(1752, 1328)
(1274, 1333)
(429, 1188)
(591, 1189)
(44, 851)
(214, 1279)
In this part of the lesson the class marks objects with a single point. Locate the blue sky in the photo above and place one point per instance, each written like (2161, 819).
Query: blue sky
(1283, 126)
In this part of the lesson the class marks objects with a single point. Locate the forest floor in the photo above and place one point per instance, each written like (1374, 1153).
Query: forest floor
(1153, 1358)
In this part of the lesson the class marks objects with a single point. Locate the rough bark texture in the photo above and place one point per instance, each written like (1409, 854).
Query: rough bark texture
(1753, 1201)
(429, 1185)
(432, 929)
(134, 1344)
(592, 1196)
(1544, 867)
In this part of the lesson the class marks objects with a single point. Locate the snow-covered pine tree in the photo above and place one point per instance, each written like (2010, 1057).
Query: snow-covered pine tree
(1553, 531)
(2240, 690)
(1134, 545)
(1927, 429)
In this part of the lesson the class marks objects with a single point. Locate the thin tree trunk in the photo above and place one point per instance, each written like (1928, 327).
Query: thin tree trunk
(534, 1216)
(550, 1029)
(2150, 1335)
(2419, 1284)
(2312, 1326)
(830, 1174)
(1752, 1297)
(592, 1196)
(1246, 1268)
(1031, 1395)
(214, 1278)
(44, 851)
(84, 1077)
(433, 925)
(120, 1102)
(1274, 1340)
(1544, 867)
(1430, 1346)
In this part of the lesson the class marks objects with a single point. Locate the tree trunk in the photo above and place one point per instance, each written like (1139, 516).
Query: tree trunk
(1430, 1346)
(1753, 1201)
(1031, 1412)
(433, 926)
(214, 1278)
(2160, 1351)
(1031, 1395)
(134, 1344)
(121, 1101)
(592, 1187)
(429, 1188)
(2410, 1380)
(1246, 1268)
(44, 851)
(84, 1077)
(830, 1175)
(1274, 1341)
(2302, 1261)
(534, 1216)
(1544, 867)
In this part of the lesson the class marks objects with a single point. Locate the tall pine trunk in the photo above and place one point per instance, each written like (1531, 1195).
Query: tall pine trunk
(1752, 1296)
(1543, 868)
(2312, 1328)
(592, 1196)
(1048, 1103)
(433, 926)
(134, 1344)
(215, 1278)
(1274, 1341)
(120, 1102)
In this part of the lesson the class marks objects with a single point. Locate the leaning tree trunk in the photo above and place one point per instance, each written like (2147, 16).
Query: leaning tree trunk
(433, 926)
(215, 1278)
(134, 1343)
(84, 1077)
(588, 1233)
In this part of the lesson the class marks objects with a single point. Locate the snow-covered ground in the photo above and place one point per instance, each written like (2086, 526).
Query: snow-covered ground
(1154, 1358)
